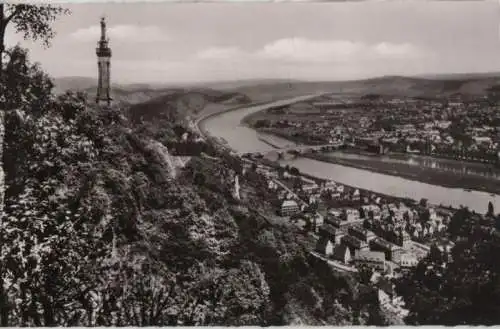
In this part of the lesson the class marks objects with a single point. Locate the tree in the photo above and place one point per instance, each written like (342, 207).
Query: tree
(423, 202)
(491, 210)
(32, 21)
(362, 212)
(312, 208)
(435, 254)
(425, 216)
(497, 222)
(460, 223)
(365, 274)
(262, 123)
(45, 250)
(179, 130)
(294, 171)
(281, 171)
(297, 183)
(463, 291)
(253, 167)
(20, 76)
(18, 108)
(200, 179)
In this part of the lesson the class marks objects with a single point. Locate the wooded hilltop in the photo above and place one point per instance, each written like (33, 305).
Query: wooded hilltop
(99, 230)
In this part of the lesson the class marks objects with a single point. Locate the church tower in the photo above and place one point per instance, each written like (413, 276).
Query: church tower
(103, 61)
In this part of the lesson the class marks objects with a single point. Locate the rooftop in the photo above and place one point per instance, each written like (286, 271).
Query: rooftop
(350, 240)
(327, 229)
(374, 256)
(385, 244)
(340, 251)
(289, 203)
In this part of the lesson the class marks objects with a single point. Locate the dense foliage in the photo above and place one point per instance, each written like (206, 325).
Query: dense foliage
(97, 232)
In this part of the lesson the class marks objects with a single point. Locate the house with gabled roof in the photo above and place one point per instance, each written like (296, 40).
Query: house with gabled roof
(342, 253)
(353, 244)
(331, 232)
(372, 259)
(289, 207)
(325, 246)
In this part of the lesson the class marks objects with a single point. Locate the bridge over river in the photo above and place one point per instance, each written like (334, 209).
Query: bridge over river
(294, 148)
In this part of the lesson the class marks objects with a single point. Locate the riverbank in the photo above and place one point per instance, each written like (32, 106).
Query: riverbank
(481, 166)
(273, 103)
(416, 173)
(203, 116)
(391, 198)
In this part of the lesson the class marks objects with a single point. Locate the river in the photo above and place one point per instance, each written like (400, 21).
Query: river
(243, 139)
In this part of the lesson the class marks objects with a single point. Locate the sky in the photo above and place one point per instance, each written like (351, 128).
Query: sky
(194, 42)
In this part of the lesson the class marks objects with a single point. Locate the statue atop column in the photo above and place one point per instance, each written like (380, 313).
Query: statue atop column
(103, 63)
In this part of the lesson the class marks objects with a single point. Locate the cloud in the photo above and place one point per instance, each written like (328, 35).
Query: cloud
(303, 58)
(132, 33)
(308, 51)
(397, 50)
(304, 50)
(217, 53)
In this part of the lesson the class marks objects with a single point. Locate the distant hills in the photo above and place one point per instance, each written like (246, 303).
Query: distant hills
(89, 85)
(73, 83)
(389, 85)
(475, 84)
(460, 76)
(121, 93)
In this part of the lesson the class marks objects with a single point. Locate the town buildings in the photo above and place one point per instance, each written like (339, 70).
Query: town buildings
(372, 259)
(365, 229)
(289, 208)
(325, 246)
(439, 127)
(342, 253)
(408, 260)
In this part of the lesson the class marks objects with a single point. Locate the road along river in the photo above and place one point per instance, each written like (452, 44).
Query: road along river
(244, 139)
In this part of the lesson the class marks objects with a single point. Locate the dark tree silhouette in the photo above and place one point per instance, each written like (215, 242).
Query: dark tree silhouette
(425, 216)
(362, 213)
(297, 183)
(435, 254)
(460, 223)
(199, 179)
(423, 202)
(491, 210)
(32, 21)
(294, 171)
(365, 274)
